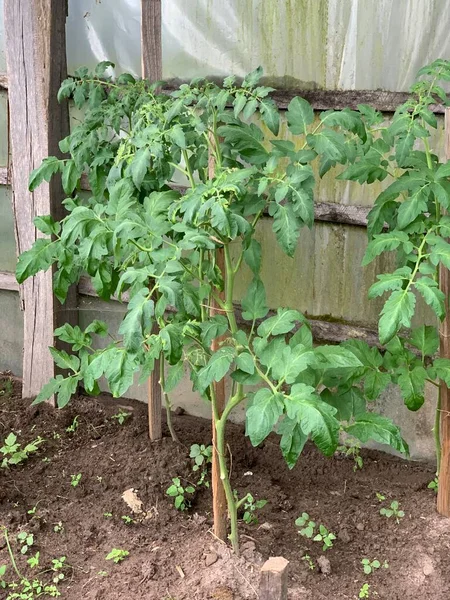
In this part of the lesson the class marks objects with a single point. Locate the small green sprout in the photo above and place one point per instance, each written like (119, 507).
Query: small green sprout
(127, 520)
(177, 491)
(308, 530)
(307, 526)
(393, 511)
(33, 561)
(103, 573)
(250, 507)
(74, 426)
(75, 479)
(434, 485)
(108, 515)
(26, 540)
(58, 527)
(371, 565)
(202, 456)
(309, 561)
(352, 448)
(117, 555)
(325, 536)
(57, 566)
(364, 591)
(380, 497)
(121, 416)
(14, 454)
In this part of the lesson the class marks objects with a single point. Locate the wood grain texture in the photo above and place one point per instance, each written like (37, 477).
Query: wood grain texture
(8, 282)
(443, 498)
(36, 60)
(274, 579)
(3, 81)
(151, 40)
(5, 176)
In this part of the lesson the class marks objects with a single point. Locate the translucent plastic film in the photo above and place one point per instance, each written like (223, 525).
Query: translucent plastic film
(2, 41)
(331, 44)
(100, 30)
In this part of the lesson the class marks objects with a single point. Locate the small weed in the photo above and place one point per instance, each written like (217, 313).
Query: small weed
(58, 527)
(74, 426)
(127, 520)
(117, 555)
(121, 416)
(308, 530)
(393, 511)
(107, 515)
(14, 454)
(33, 561)
(364, 591)
(380, 497)
(56, 435)
(434, 485)
(309, 561)
(75, 479)
(202, 456)
(26, 540)
(352, 448)
(103, 573)
(250, 507)
(371, 565)
(177, 491)
(57, 566)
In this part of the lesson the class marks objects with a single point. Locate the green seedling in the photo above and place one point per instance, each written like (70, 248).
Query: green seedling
(371, 565)
(108, 515)
(3, 583)
(393, 511)
(434, 485)
(57, 566)
(364, 591)
(14, 454)
(121, 416)
(74, 426)
(58, 527)
(380, 497)
(309, 562)
(127, 520)
(250, 507)
(352, 448)
(308, 530)
(178, 492)
(102, 573)
(75, 479)
(33, 561)
(117, 555)
(26, 540)
(202, 456)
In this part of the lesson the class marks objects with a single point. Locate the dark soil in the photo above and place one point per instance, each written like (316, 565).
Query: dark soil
(173, 555)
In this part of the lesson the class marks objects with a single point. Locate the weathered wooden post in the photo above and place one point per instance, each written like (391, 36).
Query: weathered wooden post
(36, 61)
(274, 579)
(443, 498)
(152, 70)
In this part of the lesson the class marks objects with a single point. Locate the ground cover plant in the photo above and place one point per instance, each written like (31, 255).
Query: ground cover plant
(138, 234)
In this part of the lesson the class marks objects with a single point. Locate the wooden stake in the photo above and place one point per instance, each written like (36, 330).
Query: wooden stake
(274, 582)
(220, 511)
(443, 498)
(36, 59)
(152, 70)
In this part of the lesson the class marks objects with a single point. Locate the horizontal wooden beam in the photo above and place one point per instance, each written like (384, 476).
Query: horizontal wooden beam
(8, 282)
(323, 331)
(5, 177)
(3, 81)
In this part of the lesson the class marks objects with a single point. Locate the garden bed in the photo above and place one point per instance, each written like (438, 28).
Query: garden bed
(173, 555)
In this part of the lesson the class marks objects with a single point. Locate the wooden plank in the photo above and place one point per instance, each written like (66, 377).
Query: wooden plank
(151, 55)
(3, 81)
(443, 498)
(151, 40)
(274, 579)
(8, 282)
(5, 176)
(36, 61)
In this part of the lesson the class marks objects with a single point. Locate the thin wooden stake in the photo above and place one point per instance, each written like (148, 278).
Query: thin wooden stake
(152, 70)
(220, 511)
(443, 498)
(274, 582)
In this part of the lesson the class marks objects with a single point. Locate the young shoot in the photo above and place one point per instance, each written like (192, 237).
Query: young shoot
(178, 493)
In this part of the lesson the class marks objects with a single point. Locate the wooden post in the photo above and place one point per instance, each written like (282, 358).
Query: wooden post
(274, 582)
(36, 60)
(443, 498)
(220, 510)
(152, 70)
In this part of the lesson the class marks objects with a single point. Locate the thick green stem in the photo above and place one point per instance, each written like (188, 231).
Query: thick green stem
(437, 432)
(162, 383)
(229, 286)
(11, 555)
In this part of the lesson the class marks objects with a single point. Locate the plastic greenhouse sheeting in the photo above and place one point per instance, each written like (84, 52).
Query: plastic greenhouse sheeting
(331, 44)
(2, 41)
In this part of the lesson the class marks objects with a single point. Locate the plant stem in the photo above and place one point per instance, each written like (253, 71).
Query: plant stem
(11, 555)
(162, 383)
(188, 169)
(437, 432)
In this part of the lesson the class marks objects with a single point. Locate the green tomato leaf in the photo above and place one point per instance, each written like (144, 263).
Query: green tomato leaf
(254, 304)
(44, 172)
(217, 367)
(299, 115)
(283, 322)
(412, 386)
(397, 311)
(370, 426)
(292, 441)
(263, 412)
(425, 339)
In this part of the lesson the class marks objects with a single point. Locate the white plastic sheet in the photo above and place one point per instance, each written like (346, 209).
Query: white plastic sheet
(2, 41)
(332, 44)
(100, 30)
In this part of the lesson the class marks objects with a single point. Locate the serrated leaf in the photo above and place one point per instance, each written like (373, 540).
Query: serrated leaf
(315, 417)
(441, 366)
(285, 226)
(425, 339)
(120, 370)
(292, 441)
(67, 389)
(371, 426)
(412, 386)
(336, 357)
(64, 360)
(38, 258)
(270, 115)
(440, 253)
(389, 281)
(397, 312)
(172, 338)
(348, 404)
(139, 166)
(252, 256)
(283, 322)
(432, 295)
(137, 320)
(263, 413)
(299, 115)
(174, 377)
(385, 242)
(413, 206)
(245, 363)
(329, 144)
(44, 172)
(48, 390)
(254, 305)
(70, 176)
(47, 225)
(292, 362)
(217, 367)
(375, 382)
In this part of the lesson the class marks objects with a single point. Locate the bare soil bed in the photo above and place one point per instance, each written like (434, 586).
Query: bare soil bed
(173, 555)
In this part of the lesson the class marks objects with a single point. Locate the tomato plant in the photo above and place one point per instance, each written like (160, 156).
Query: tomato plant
(139, 232)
